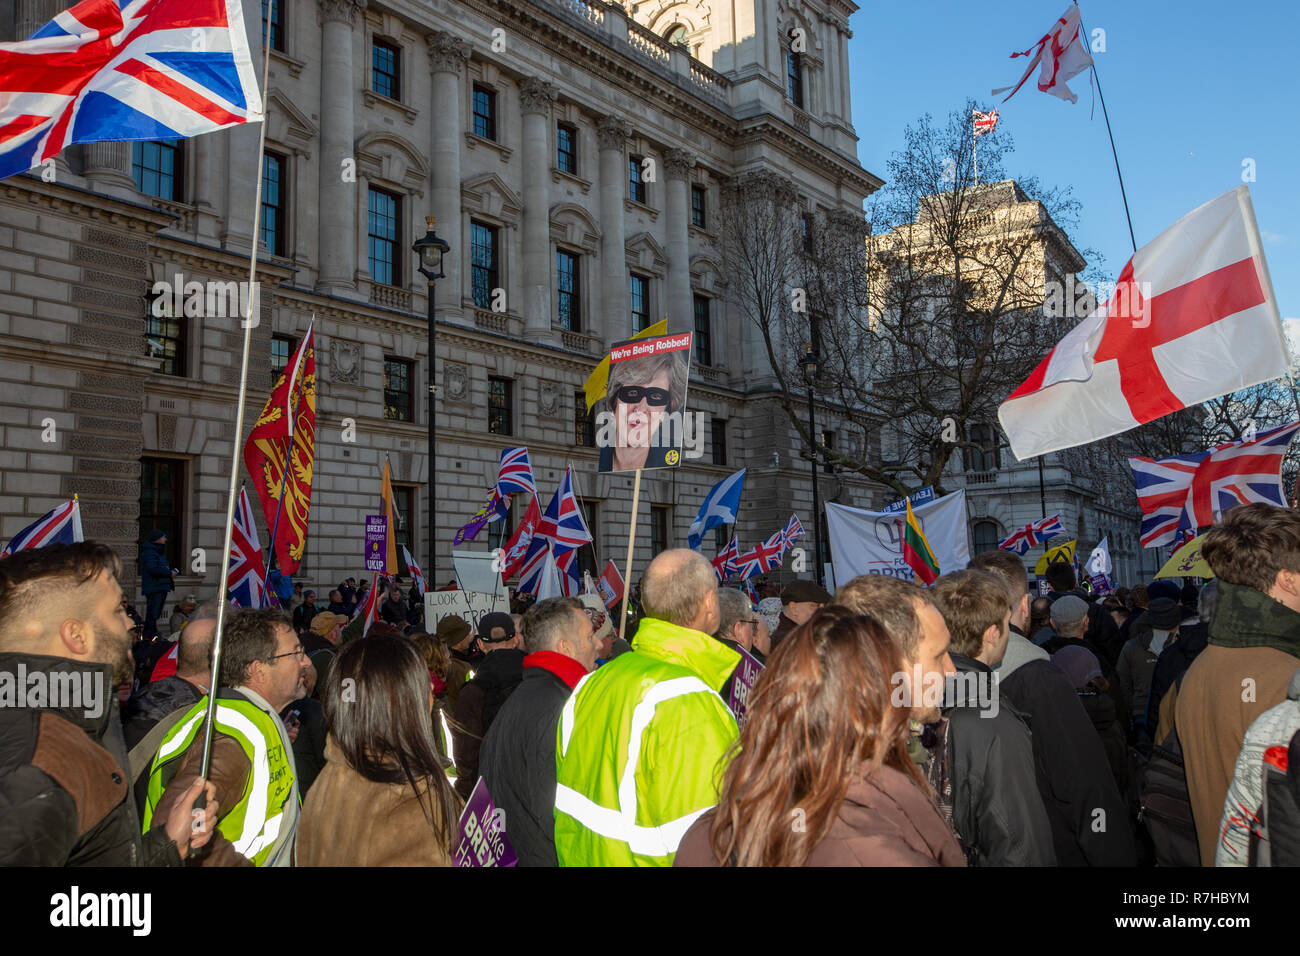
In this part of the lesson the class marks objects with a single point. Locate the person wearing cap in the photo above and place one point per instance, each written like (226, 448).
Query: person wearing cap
(1102, 631)
(798, 602)
(454, 632)
(305, 612)
(608, 644)
(1152, 633)
(321, 643)
(480, 700)
(181, 616)
(1070, 621)
(517, 762)
(1083, 671)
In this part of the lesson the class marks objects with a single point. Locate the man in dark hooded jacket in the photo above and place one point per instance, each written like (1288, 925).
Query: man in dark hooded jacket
(156, 580)
(495, 678)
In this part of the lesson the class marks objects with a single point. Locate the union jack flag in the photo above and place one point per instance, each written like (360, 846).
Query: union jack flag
(244, 582)
(763, 557)
(792, 533)
(985, 122)
(1180, 539)
(60, 526)
(1032, 535)
(516, 473)
(125, 70)
(725, 563)
(1187, 492)
(562, 526)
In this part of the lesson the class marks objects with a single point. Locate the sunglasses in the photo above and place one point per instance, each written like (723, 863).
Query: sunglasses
(631, 394)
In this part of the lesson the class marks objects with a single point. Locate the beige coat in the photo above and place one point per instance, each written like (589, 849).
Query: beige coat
(348, 820)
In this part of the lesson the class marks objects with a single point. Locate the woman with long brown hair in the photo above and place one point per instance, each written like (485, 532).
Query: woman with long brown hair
(383, 798)
(821, 775)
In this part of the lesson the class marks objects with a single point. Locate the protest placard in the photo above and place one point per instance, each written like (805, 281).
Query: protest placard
(747, 672)
(482, 839)
(376, 542)
(470, 605)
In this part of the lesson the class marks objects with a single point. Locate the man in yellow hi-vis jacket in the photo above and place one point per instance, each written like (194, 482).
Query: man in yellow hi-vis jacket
(640, 743)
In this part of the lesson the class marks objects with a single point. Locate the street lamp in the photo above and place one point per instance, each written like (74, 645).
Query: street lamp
(811, 365)
(430, 248)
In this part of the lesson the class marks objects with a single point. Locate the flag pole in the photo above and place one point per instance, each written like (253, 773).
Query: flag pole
(223, 604)
(627, 568)
(974, 151)
(1106, 116)
(595, 556)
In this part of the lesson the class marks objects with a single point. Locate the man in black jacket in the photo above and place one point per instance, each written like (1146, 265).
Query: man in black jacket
(996, 809)
(1073, 775)
(517, 761)
(65, 799)
(495, 678)
(1102, 629)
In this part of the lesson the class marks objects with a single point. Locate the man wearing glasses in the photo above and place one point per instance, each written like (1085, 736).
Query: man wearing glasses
(738, 629)
(263, 670)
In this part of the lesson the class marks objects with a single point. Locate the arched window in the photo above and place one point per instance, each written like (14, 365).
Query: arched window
(676, 35)
(986, 536)
(793, 73)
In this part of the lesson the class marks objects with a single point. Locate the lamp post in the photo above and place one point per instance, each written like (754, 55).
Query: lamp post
(811, 364)
(430, 249)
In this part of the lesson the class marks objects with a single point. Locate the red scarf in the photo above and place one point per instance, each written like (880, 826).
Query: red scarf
(565, 668)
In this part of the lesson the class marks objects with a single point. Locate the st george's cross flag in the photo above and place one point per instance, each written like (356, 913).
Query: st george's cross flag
(1032, 535)
(719, 507)
(1193, 317)
(244, 582)
(117, 70)
(1061, 56)
(416, 574)
(1182, 493)
(60, 526)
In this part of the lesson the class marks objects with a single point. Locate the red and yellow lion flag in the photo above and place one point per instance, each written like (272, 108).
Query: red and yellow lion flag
(286, 431)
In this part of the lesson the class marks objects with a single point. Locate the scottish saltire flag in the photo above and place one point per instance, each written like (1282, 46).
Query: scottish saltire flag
(565, 530)
(515, 475)
(719, 507)
(792, 533)
(125, 70)
(1187, 492)
(60, 526)
(1032, 535)
(244, 581)
(725, 562)
(414, 568)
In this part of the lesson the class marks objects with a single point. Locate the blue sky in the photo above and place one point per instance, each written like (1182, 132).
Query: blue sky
(1193, 89)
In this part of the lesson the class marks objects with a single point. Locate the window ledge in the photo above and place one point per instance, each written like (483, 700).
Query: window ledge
(702, 232)
(371, 98)
(391, 296)
(577, 341)
(631, 205)
(559, 175)
(474, 139)
(184, 212)
(294, 64)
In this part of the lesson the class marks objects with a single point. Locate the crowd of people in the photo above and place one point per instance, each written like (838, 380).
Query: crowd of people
(970, 723)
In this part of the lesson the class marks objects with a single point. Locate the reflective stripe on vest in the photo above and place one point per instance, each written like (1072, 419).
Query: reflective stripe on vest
(620, 824)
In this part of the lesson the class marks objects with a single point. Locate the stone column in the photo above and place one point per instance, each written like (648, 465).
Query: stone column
(677, 166)
(447, 56)
(535, 99)
(107, 166)
(338, 186)
(31, 15)
(614, 321)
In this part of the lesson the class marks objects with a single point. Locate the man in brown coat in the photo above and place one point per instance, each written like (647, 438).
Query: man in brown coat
(1253, 651)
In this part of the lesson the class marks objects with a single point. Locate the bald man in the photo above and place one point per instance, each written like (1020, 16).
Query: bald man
(654, 713)
(64, 644)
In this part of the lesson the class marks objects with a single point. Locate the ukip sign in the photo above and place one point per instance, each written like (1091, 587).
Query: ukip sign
(376, 542)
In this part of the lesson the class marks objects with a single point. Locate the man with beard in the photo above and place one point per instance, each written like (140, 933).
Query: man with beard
(64, 644)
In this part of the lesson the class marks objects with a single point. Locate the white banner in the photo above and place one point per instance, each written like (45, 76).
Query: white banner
(871, 542)
(472, 606)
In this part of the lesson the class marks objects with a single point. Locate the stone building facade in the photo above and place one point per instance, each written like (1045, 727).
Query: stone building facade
(572, 153)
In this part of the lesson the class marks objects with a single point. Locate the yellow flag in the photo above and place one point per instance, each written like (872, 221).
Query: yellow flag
(1187, 562)
(390, 560)
(598, 381)
(1062, 552)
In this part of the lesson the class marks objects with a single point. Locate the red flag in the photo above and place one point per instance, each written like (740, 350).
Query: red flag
(371, 607)
(286, 429)
(1192, 318)
(512, 557)
(610, 585)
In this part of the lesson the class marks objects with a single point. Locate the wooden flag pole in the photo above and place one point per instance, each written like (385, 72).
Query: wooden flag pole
(627, 568)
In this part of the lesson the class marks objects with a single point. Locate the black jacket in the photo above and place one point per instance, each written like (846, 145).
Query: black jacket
(996, 809)
(1173, 663)
(394, 612)
(517, 763)
(1101, 710)
(1103, 632)
(1072, 771)
(309, 748)
(302, 616)
(495, 677)
(155, 701)
(64, 795)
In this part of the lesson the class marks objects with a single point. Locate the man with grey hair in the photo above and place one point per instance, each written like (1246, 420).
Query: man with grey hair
(641, 741)
(738, 629)
(517, 761)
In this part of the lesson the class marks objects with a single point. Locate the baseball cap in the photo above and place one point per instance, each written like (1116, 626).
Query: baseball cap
(496, 619)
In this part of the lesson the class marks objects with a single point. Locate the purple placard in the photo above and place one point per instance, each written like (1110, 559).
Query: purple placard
(747, 672)
(1100, 583)
(376, 542)
(483, 840)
